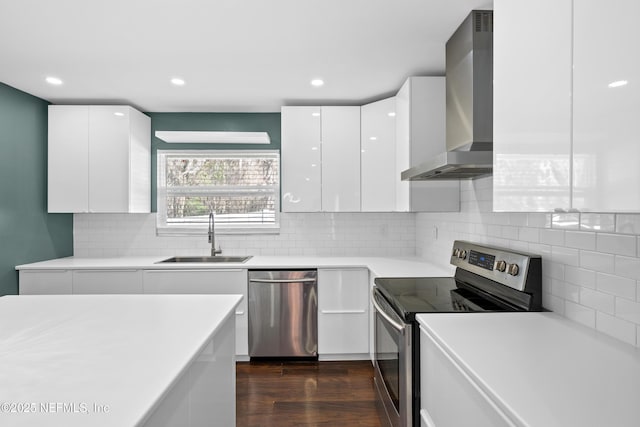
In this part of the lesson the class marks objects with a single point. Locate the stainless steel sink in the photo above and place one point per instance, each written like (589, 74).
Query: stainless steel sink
(201, 259)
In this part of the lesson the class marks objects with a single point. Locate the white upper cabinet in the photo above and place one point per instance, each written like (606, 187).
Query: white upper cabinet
(566, 106)
(532, 105)
(301, 157)
(320, 159)
(340, 159)
(68, 155)
(420, 135)
(606, 112)
(378, 143)
(99, 159)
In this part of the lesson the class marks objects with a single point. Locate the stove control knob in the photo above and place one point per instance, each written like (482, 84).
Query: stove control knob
(456, 252)
(501, 266)
(462, 254)
(513, 269)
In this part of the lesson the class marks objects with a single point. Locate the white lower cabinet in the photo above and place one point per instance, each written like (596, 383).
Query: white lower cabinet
(445, 388)
(218, 281)
(45, 282)
(107, 282)
(343, 313)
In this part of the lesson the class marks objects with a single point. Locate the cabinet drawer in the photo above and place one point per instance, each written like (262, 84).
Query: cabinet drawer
(107, 282)
(45, 282)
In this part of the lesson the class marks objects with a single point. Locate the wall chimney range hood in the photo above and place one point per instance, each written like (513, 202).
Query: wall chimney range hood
(469, 83)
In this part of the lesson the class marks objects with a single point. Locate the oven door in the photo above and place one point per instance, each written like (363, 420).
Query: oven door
(393, 367)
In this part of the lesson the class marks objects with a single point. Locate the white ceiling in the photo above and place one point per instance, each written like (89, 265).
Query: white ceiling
(235, 55)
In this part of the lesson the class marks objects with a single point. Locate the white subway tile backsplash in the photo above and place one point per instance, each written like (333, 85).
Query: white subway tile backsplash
(384, 234)
(597, 300)
(628, 310)
(553, 303)
(627, 267)
(566, 221)
(555, 270)
(616, 244)
(529, 234)
(567, 256)
(509, 232)
(587, 258)
(580, 314)
(580, 276)
(616, 285)
(539, 220)
(518, 219)
(621, 329)
(552, 237)
(628, 223)
(580, 240)
(598, 222)
(597, 261)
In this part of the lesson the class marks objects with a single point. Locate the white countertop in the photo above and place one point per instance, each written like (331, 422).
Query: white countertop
(542, 369)
(115, 350)
(381, 267)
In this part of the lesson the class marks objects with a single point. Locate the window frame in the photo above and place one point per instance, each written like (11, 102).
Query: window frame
(199, 228)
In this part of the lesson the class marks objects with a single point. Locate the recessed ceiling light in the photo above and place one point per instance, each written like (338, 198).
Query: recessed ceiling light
(177, 81)
(317, 82)
(53, 81)
(315, 114)
(119, 114)
(373, 138)
(392, 114)
(618, 83)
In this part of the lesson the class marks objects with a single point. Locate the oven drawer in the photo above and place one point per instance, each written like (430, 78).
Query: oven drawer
(449, 398)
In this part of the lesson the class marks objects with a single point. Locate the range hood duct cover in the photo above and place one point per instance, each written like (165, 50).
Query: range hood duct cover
(469, 88)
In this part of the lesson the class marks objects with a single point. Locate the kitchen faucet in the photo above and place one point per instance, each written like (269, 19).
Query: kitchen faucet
(212, 236)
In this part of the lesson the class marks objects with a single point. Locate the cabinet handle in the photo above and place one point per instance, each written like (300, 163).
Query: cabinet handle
(342, 311)
(281, 280)
(106, 271)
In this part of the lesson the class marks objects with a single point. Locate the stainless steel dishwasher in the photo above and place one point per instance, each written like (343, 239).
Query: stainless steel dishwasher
(283, 313)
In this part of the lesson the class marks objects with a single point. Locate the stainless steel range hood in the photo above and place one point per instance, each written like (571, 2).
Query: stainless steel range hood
(469, 82)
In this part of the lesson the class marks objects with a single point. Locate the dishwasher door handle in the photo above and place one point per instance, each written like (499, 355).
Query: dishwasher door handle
(307, 280)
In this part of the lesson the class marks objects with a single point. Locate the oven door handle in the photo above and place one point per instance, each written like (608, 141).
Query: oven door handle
(392, 322)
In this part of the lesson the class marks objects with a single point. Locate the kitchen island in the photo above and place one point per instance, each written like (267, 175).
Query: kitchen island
(117, 360)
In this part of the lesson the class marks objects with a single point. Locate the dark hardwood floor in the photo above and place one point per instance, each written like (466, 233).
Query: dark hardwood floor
(283, 394)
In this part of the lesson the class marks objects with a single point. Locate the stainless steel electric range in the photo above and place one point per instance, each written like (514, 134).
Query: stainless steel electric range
(487, 279)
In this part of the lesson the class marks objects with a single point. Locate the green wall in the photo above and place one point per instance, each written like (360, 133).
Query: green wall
(27, 232)
(239, 122)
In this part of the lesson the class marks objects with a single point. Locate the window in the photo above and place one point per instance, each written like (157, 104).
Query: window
(242, 189)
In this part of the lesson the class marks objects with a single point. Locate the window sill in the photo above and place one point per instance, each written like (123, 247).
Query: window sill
(220, 231)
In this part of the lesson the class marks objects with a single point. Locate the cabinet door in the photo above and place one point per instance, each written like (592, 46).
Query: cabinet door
(606, 138)
(378, 142)
(220, 281)
(445, 388)
(301, 159)
(44, 282)
(340, 159)
(343, 312)
(532, 105)
(108, 159)
(107, 282)
(140, 162)
(68, 153)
